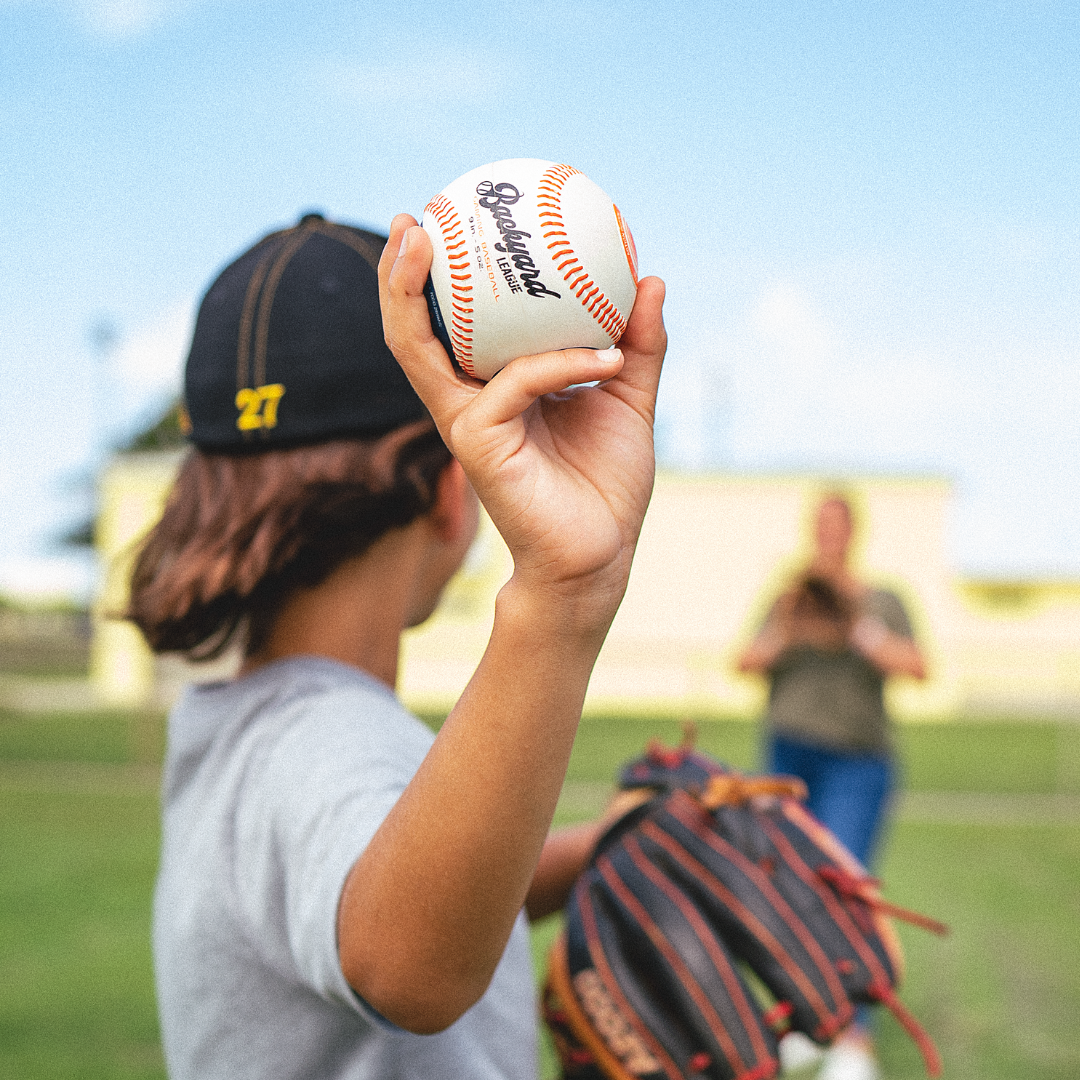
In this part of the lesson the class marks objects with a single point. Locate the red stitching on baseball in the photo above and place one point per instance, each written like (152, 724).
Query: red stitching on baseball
(553, 226)
(456, 249)
(442, 209)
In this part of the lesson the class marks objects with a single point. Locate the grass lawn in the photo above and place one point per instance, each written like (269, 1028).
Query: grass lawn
(77, 868)
(112, 738)
(1002, 758)
(76, 996)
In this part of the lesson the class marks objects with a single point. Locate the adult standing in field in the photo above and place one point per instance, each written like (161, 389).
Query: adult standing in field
(827, 646)
(342, 894)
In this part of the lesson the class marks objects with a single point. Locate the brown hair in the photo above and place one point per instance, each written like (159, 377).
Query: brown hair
(240, 533)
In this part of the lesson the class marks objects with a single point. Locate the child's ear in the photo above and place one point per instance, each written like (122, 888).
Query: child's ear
(452, 513)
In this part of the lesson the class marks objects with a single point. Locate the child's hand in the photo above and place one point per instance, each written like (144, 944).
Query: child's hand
(566, 475)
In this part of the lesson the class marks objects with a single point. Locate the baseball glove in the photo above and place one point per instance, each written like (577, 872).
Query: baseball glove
(718, 874)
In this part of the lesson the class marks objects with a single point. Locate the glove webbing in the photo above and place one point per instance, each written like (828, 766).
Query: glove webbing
(795, 822)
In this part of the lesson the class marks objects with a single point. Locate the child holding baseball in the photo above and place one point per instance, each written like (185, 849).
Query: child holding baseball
(340, 892)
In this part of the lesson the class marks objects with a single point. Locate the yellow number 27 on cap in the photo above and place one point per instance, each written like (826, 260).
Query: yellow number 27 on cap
(258, 406)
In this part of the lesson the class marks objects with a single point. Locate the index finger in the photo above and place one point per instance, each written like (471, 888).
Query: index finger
(403, 272)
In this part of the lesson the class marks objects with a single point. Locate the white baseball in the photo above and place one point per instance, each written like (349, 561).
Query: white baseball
(530, 256)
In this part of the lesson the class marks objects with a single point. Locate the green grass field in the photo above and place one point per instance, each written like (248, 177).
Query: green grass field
(79, 850)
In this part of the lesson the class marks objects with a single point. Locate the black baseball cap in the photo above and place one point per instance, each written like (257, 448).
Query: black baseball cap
(288, 346)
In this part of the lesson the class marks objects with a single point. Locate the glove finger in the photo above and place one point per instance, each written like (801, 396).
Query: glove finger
(666, 972)
(737, 896)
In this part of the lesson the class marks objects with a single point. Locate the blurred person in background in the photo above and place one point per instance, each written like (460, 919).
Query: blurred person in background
(827, 646)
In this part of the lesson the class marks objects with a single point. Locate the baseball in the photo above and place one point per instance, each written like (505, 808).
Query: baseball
(530, 256)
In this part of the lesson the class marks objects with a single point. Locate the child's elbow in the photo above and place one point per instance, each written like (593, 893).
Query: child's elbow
(414, 1001)
(429, 1014)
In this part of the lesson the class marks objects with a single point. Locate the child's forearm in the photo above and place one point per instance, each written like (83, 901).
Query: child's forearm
(564, 856)
(429, 907)
(565, 475)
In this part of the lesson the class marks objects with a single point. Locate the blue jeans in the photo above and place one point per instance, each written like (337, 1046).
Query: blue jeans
(849, 793)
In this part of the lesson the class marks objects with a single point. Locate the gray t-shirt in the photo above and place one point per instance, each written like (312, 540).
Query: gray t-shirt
(274, 784)
(835, 698)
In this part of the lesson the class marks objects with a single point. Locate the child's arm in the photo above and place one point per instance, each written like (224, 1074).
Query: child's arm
(566, 477)
(566, 851)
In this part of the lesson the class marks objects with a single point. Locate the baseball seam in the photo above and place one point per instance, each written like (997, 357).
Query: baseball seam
(549, 204)
(459, 323)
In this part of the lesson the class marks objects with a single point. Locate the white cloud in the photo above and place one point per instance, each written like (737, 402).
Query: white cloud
(692, 414)
(117, 20)
(111, 20)
(150, 362)
(44, 580)
(424, 81)
(787, 321)
(812, 391)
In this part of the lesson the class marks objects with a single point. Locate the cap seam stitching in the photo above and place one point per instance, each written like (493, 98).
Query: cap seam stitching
(247, 317)
(266, 300)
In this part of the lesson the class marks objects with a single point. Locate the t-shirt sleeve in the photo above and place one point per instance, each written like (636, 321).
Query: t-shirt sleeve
(889, 608)
(330, 780)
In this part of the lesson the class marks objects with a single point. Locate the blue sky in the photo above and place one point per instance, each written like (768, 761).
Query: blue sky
(867, 215)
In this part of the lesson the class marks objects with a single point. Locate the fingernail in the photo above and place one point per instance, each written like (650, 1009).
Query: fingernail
(612, 356)
(404, 243)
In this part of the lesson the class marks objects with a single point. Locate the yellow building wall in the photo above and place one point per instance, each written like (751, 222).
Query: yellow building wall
(714, 550)
(131, 496)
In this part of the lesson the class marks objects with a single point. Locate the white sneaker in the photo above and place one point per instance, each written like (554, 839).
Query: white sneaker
(847, 1061)
(797, 1051)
